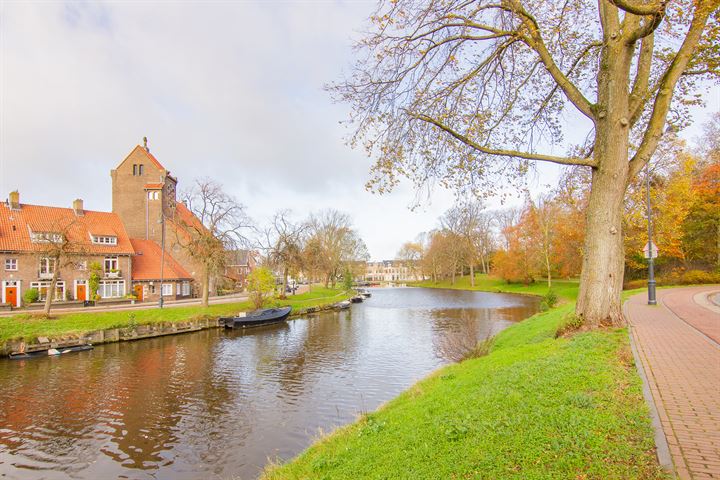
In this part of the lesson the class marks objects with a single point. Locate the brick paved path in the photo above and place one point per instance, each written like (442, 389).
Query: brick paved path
(682, 365)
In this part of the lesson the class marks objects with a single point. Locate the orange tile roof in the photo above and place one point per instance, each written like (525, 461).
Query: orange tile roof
(16, 225)
(146, 262)
(153, 186)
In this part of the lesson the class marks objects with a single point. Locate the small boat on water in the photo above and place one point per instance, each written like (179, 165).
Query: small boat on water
(49, 352)
(364, 293)
(357, 299)
(344, 305)
(257, 318)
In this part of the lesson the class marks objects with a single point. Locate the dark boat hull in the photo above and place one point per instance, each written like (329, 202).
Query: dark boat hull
(257, 318)
(50, 352)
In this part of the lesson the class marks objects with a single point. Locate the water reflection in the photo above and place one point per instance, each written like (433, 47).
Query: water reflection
(217, 404)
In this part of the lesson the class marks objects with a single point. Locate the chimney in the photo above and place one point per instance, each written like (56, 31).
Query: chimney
(78, 207)
(14, 200)
(145, 145)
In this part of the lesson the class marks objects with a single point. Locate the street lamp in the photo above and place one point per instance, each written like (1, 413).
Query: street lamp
(162, 256)
(651, 261)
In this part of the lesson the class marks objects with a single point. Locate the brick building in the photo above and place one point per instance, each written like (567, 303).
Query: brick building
(390, 271)
(25, 234)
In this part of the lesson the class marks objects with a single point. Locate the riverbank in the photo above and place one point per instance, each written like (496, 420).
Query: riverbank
(29, 327)
(536, 406)
(565, 289)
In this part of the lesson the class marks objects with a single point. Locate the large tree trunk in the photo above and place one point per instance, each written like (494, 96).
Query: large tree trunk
(604, 257)
(472, 275)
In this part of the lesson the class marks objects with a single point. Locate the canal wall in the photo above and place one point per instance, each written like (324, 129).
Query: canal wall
(128, 333)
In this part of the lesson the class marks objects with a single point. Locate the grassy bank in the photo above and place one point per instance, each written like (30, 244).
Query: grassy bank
(565, 289)
(535, 407)
(29, 326)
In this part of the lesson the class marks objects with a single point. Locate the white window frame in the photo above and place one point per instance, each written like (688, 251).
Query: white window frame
(116, 288)
(166, 289)
(59, 287)
(47, 265)
(186, 288)
(104, 240)
(11, 264)
(81, 266)
(111, 261)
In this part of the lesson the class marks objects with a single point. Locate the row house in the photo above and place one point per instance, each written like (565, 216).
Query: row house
(29, 233)
(153, 276)
(390, 271)
(238, 265)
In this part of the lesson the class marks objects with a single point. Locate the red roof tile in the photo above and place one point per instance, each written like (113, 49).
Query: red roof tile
(153, 186)
(16, 225)
(146, 262)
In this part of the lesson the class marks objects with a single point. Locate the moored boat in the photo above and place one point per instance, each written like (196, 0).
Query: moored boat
(357, 299)
(364, 293)
(257, 318)
(344, 305)
(49, 352)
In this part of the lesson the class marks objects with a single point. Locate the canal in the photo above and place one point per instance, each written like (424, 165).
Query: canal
(218, 404)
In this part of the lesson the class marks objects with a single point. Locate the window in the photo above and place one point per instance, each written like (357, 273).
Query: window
(47, 267)
(166, 289)
(151, 289)
(135, 169)
(154, 195)
(45, 237)
(186, 289)
(81, 266)
(42, 288)
(111, 288)
(104, 240)
(141, 168)
(111, 263)
(11, 264)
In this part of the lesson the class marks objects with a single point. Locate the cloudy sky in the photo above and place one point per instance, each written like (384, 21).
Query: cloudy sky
(227, 90)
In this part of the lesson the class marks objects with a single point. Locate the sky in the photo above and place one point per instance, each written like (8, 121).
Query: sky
(232, 91)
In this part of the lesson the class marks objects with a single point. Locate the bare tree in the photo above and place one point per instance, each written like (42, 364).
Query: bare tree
(466, 92)
(217, 224)
(283, 242)
(334, 244)
(56, 249)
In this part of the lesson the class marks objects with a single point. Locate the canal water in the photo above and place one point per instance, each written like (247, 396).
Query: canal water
(219, 404)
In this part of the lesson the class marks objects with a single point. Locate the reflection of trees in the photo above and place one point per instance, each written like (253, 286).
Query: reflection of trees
(456, 331)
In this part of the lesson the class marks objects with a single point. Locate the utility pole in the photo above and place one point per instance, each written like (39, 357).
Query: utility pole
(651, 261)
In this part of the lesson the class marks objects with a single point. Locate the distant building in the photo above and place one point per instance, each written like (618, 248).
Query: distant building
(390, 271)
(98, 237)
(239, 264)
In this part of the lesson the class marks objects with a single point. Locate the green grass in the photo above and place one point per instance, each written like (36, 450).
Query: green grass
(565, 289)
(29, 326)
(536, 407)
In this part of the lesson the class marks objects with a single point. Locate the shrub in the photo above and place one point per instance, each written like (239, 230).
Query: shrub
(261, 284)
(549, 301)
(699, 276)
(31, 295)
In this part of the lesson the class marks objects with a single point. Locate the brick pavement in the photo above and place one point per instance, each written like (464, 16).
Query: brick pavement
(682, 365)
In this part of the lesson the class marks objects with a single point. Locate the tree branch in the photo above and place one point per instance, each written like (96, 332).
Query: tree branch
(639, 93)
(651, 8)
(536, 42)
(588, 162)
(654, 130)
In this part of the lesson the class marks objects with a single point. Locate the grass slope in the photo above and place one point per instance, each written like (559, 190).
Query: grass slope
(536, 407)
(28, 327)
(566, 289)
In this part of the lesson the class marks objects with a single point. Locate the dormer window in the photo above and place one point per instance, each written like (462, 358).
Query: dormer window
(45, 237)
(104, 240)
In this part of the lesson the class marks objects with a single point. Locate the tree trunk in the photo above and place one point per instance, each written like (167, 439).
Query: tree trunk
(51, 290)
(472, 275)
(547, 266)
(601, 280)
(205, 288)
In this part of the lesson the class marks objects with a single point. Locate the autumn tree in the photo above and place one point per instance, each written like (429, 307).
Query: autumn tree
(410, 254)
(217, 223)
(466, 92)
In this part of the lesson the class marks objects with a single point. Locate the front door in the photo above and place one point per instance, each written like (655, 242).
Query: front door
(139, 292)
(80, 292)
(11, 295)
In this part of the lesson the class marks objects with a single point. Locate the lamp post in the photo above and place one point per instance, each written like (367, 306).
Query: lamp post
(162, 256)
(651, 261)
